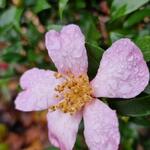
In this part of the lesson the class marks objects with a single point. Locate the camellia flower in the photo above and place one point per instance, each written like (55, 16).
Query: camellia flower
(68, 95)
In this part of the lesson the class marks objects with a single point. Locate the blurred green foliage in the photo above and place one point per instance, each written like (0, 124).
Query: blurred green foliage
(22, 28)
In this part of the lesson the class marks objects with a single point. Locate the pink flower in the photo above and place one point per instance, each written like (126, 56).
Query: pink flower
(69, 95)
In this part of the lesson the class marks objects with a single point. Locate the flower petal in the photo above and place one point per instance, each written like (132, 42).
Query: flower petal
(123, 73)
(38, 90)
(101, 127)
(63, 129)
(67, 49)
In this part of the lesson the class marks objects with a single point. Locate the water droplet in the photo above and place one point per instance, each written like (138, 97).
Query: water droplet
(69, 65)
(61, 66)
(77, 52)
(125, 75)
(141, 74)
(130, 58)
(136, 69)
(125, 88)
(113, 84)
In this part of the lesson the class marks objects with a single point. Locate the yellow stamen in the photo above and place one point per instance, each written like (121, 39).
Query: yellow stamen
(76, 92)
(57, 75)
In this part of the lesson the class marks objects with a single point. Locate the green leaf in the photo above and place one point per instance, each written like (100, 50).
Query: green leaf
(90, 30)
(143, 121)
(10, 17)
(2, 3)
(51, 148)
(62, 5)
(3, 81)
(41, 5)
(115, 36)
(129, 134)
(94, 55)
(144, 44)
(33, 32)
(122, 7)
(134, 107)
(146, 144)
(137, 17)
(92, 43)
(80, 142)
(147, 89)
(54, 27)
(80, 4)
(8, 57)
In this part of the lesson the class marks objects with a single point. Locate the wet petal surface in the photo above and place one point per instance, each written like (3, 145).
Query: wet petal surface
(63, 129)
(67, 49)
(101, 129)
(38, 90)
(123, 73)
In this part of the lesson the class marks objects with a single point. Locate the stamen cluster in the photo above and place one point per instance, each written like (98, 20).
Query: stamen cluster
(75, 92)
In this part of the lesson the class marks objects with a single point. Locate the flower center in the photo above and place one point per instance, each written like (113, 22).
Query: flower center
(74, 91)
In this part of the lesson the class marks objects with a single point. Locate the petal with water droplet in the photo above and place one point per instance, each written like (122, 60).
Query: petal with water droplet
(101, 129)
(123, 62)
(67, 49)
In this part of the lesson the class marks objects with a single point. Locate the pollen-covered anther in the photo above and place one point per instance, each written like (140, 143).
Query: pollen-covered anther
(57, 75)
(75, 93)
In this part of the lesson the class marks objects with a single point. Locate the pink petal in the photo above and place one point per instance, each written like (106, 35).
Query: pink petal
(63, 129)
(67, 49)
(38, 90)
(101, 127)
(123, 73)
